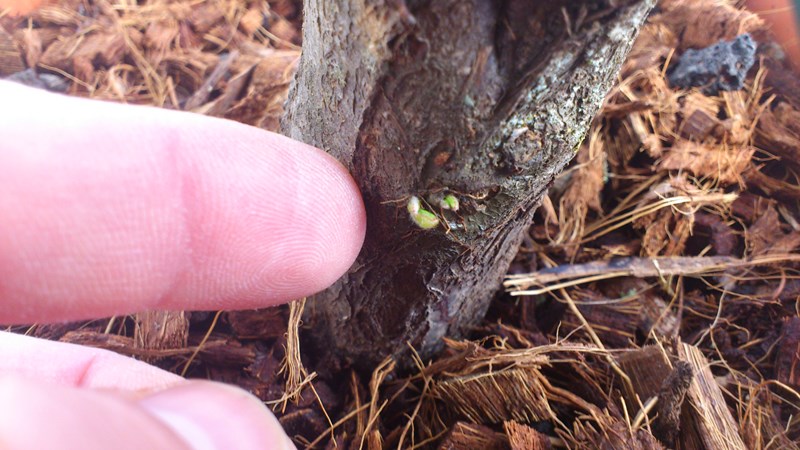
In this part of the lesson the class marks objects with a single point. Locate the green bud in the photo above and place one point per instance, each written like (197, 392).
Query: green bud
(449, 202)
(422, 217)
(425, 219)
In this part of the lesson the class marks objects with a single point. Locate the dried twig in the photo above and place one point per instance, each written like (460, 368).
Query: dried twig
(635, 267)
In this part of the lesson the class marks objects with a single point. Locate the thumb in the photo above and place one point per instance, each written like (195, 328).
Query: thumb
(190, 416)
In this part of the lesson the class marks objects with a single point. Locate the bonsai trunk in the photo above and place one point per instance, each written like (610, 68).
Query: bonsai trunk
(486, 100)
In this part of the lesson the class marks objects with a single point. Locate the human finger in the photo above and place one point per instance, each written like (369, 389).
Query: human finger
(111, 209)
(78, 366)
(195, 415)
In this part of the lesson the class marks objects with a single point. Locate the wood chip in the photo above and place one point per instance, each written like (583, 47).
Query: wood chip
(161, 330)
(766, 236)
(10, 55)
(514, 394)
(710, 424)
(523, 437)
(716, 162)
(468, 436)
(666, 426)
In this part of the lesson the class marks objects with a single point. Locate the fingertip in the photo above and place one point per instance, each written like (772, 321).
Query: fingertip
(330, 211)
(270, 219)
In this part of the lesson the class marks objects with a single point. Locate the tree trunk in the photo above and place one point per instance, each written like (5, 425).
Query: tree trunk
(486, 100)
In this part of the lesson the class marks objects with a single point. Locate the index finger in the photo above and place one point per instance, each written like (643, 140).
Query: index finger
(111, 209)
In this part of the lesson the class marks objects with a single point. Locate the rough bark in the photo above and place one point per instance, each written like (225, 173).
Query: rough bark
(484, 99)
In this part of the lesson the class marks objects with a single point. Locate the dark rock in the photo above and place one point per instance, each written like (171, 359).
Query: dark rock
(720, 67)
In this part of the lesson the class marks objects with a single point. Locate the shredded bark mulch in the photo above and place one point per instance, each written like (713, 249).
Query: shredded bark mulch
(653, 305)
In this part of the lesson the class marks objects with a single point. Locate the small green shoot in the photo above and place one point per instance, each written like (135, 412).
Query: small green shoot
(420, 216)
(449, 202)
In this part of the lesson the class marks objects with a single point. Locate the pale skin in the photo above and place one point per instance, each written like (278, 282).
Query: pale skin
(111, 209)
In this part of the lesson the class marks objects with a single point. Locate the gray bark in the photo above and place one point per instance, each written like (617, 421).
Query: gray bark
(484, 99)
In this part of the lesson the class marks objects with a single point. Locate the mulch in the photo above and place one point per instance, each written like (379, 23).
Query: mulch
(654, 303)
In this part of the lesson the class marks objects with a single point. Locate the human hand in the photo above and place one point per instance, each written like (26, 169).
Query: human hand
(112, 209)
